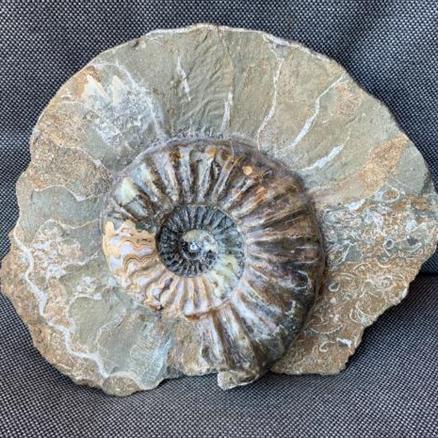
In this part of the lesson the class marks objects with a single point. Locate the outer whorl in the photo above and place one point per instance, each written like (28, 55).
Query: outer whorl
(221, 240)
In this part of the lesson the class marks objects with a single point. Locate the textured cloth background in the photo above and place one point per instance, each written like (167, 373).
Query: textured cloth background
(391, 386)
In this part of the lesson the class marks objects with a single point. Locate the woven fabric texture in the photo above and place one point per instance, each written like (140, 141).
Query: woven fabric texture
(388, 390)
(390, 387)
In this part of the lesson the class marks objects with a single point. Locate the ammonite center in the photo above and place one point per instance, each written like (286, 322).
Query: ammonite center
(194, 238)
(191, 228)
(199, 246)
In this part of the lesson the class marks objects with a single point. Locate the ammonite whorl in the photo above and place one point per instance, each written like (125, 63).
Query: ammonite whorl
(221, 240)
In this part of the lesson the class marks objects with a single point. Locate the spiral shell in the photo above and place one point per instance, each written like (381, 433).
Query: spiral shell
(221, 238)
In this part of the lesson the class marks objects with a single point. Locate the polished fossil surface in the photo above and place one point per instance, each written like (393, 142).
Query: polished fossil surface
(121, 234)
(220, 247)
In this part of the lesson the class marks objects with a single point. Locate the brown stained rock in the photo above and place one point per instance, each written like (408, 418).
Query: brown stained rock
(116, 296)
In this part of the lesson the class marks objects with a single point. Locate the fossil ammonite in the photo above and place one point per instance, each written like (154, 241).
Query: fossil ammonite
(221, 242)
(213, 200)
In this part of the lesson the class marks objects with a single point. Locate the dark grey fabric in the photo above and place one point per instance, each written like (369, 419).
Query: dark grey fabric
(390, 389)
(389, 46)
